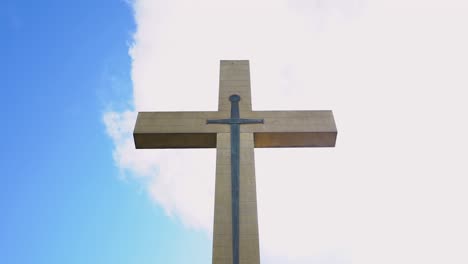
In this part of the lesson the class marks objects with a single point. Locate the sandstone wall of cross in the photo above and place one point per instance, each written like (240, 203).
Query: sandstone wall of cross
(279, 129)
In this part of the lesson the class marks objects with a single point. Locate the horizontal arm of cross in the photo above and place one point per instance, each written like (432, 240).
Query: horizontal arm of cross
(290, 129)
(176, 130)
(279, 129)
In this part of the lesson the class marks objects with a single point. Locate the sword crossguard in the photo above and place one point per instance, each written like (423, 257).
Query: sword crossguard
(235, 119)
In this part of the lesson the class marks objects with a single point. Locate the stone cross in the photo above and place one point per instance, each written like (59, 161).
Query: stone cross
(234, 130)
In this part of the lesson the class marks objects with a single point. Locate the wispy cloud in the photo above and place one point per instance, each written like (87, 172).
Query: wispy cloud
(392, 191)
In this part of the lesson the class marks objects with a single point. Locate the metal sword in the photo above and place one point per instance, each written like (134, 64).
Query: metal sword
(235, 121)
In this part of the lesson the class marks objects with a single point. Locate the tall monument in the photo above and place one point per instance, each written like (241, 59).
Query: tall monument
(234, 130)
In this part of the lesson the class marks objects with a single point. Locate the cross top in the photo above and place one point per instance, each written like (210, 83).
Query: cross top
(235, 230)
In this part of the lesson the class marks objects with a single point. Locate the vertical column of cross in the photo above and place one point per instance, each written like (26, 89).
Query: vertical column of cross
(222, 228)
(248, 221)
(235, 79)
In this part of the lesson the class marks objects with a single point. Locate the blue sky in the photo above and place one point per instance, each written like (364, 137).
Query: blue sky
(62, 199)
(74, 74)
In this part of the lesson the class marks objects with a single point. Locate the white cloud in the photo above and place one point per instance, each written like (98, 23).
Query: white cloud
(182, 185)
(394, 72)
